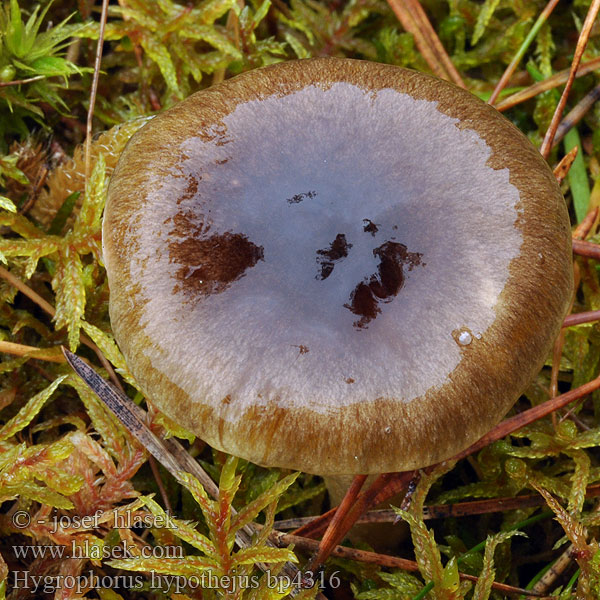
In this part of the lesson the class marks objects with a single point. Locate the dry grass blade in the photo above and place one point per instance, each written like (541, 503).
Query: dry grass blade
(22, 350)
(383, 560)
(548, 84)
(414, 20)
(508, 73)
(27, 291)
(558, 567)
(94, 90)
(21, 81)
(581, 44)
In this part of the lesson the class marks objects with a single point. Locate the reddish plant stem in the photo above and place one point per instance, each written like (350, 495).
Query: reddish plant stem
(94, 90)
(575, 115)
(390, 484)
(583, 248)
(581, 44)
(383, 560)
(583, 229)
(582, 317)
(20, 81)
(445, 511)
(332, 535)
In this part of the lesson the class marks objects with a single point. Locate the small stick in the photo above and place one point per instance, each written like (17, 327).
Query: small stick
(581, 44)
(576, 114)
(583, 229)
(159, 482)
(583, 248)
(548, 84)
(445, 511)
(582, 317)
(20, 81)
(508, 72)
(383, 560)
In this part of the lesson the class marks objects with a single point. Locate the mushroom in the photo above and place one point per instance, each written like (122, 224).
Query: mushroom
(335, 266)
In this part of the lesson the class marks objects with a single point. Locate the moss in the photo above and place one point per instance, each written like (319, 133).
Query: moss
(63, 456)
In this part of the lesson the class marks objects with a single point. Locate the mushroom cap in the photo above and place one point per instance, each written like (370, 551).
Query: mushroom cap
(335, 266)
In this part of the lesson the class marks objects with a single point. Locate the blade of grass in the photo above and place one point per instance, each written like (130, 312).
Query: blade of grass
(577, 176)
(514, 63)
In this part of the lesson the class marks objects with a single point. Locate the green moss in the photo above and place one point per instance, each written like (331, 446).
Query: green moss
(63, 455)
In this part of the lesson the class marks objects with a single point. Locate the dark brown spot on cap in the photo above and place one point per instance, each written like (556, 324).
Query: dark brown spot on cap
(297, 198)
(370, 227)
(211, 264)
(383, 286)
(336, 251)
(191, 190)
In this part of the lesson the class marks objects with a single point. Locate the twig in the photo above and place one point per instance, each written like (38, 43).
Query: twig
(508, 73)
(583, 248)
(581, 44)
(529, 416)
(94, 90)
(159, 482)
(583, 229)
(548, 84)
(383, 560)
(576, 114)
(414, 20)
(20, 81)
(444, 511)
(582, 317)
(27, 291)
